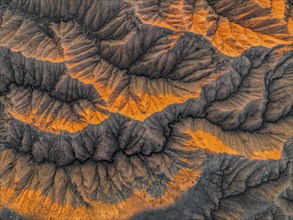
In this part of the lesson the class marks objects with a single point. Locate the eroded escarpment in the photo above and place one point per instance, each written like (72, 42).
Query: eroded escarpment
(112, 161)
(110, 109)
(232, 187)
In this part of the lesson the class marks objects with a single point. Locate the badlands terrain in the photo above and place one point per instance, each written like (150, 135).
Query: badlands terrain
(146, 109)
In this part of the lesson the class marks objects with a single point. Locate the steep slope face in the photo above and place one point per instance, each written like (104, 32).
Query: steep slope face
(110, 109)
(236, 188)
